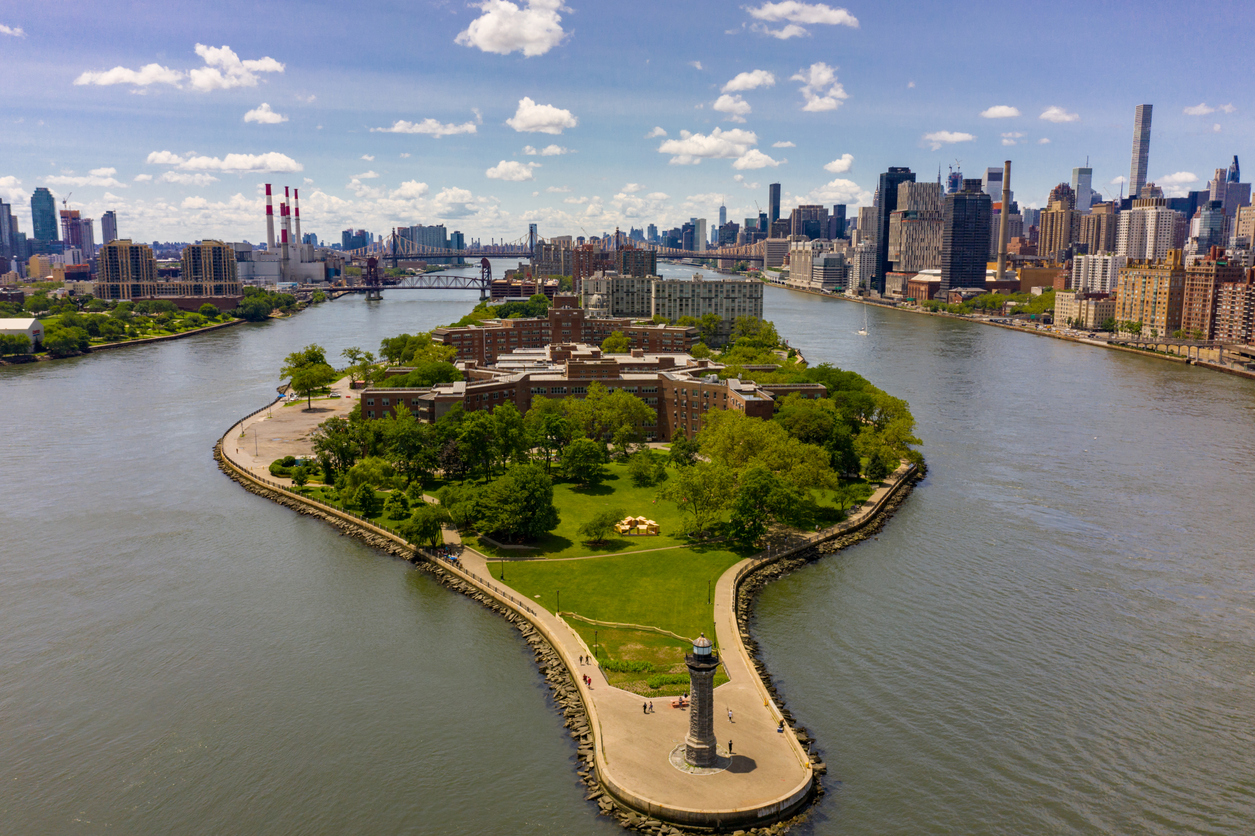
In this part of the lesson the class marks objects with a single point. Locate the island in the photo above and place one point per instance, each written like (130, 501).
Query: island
(620, 503)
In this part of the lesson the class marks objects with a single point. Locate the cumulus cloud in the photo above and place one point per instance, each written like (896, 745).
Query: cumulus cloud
(575, 201)
(97, 177)
(185, 179)
(837, 191)
(749, 81)
(405, 154)
(755, 159)
(938, 138)
(537, 118)
(735, 106)
(230, 164)
(366, 175)
(692, 148)
(504, 27)
(558, 189)
(841, 164)
(512, 170)
(547, 151)
(795, 14)
(1216, 127)
(783, 144)
(820, 87)
(1000, 112)
(1043, 141)
(655, 133)
(143, 77)
(223, 70)
(1117, 181)
(631, 188)
(1056, 114)
(11, 187)
(15, 31)
(740, 178)
(1011, 137)
(428, 126)
(143, 178)
(1179, 178)
(697, 65)
(409, 190)
(264, 115)
(370, 158)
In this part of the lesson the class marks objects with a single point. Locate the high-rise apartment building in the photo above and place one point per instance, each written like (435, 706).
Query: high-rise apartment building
(773, 202)
(78, 233)
(1202, 286)
(810, 220)
(43, 215)
(125, 270)
(1152, 292)
(964, 237)
(1147, 231)
(723, 214)
(211, 265)
(1098, 229)
(836, 222)
(699, 234)
(889, 182)
(1235, 311)
(108, 227)
(1096, 273)
(991, 183)
(8, 237)
(915, 228)
(1207, 230)
(1082, 187)
(1141, 149)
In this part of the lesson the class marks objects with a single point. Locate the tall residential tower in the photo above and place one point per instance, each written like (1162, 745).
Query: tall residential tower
(1141, 149)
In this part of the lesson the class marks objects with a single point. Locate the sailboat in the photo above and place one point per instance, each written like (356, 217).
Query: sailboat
(862, 332)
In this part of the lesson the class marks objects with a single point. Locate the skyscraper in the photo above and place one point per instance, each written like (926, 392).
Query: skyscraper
(836, 222)
(723, 215)
(1082, 186)
(699, 234)
(43, 215)
(77, 233)
(1141, 149)
(773, 202)
(964, 237)
(889, 182)
(991, 183)
(109, 227)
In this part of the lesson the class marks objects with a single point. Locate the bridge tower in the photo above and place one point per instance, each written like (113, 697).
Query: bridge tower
(374, 285)
(485, 278)
(394, 249)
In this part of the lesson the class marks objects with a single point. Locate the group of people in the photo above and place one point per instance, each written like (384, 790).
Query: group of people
(647, 707)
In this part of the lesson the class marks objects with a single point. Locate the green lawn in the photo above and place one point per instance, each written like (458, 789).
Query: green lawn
(576, 505)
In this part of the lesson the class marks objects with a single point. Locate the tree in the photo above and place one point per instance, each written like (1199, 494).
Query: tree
(308, 379)
(459, 502)
(426, 373)
(411, 445)
(311, 355)
(367, 501)
(373, 471)
(208, 311)
(451, 460)
(616, 343)
(62, 342)
(11, 344)
(425, 525)
(254, 309)
(763, 498)
(683, 451)
(478, 442)
(583, 462)
(299, 476)
(708, 327)
(702, 492)
(599, 526)
(360, 363)
(396, 506)
(547, 429)
(334, 446)
(511, 434)
(518, 505)
(644, 470)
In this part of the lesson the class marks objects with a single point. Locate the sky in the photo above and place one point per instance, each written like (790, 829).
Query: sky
(582, 117)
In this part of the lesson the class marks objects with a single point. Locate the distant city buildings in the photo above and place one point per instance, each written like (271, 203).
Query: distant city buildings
(965, 238)
(1141, 149)
(888, 190)
(108, 227)
(1151, 292)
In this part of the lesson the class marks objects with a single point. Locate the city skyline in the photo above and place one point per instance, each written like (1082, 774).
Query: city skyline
(508, 114)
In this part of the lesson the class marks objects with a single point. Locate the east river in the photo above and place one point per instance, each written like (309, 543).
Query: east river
(1055, 634)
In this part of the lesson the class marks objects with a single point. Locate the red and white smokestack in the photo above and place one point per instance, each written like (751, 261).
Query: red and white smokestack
(270, 221)
(296, 198)
(283, 267)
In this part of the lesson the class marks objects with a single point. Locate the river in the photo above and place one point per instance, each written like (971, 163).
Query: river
(1055, 634)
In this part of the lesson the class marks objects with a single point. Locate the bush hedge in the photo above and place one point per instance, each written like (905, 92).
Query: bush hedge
(662, 679)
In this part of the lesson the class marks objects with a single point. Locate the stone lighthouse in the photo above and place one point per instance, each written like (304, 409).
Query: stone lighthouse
(699, 746)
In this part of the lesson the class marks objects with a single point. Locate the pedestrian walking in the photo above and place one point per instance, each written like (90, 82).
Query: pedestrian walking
(729, 715)
(651, 706)
(644, 708)
(729, 745)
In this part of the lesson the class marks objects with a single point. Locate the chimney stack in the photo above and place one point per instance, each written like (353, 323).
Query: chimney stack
(283, 268)
(1002, 220)
(270, 221)
(296, 198)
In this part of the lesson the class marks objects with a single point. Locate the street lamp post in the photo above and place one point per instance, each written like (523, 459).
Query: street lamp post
(594, 644)
(559, 594)
(501, 560)
(255, 453)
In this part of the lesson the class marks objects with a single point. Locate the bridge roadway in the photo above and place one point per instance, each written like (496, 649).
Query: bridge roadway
(769, 773)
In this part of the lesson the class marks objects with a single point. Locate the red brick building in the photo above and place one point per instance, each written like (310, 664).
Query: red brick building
(1202, 284)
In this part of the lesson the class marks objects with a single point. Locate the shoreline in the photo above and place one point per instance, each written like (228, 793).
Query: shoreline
(92, 349)
(1175, 358)
(617, 794)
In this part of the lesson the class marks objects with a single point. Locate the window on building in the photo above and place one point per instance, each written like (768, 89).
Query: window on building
(370, 401)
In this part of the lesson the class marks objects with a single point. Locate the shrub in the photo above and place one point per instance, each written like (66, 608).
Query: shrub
(208, 311)
(14, 344)
(367, 501)
(396, 506)
(659, 680)
(299, 476)
(289, 461)
(623, 666)
(277, 468)
(371, 471)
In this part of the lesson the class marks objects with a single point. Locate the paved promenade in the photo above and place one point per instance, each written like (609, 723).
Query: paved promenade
(768, 769)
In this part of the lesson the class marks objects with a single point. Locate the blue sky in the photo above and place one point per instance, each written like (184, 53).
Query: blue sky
(586, 116)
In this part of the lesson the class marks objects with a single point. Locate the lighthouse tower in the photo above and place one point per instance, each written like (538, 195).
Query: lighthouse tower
(699, 746)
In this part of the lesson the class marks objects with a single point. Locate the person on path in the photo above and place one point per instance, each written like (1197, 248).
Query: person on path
(644, 708)
(729, 745)
(729, 715)
(651, 706)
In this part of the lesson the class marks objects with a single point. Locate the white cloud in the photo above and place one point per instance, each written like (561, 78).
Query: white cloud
(15, 31)
(1043, 141)
(1011, 137)
(143, 178)
(691, 148)
(820, 87)
(231, 163)
(307, 99)
(409, 190)
(1179, 178)
(558, 189)
(97, 177)
(11, 187)
(1119, 180)
(428, 126)
(631, 188)
(754, 158)
(547, 151)
(910, 85)
(144, 76)
(512, 170)
(697, 65)
(405, 154)
(370, 158)
(655, 133)
(740, 178)
(1202, 109)
(783, 144)
(938, 138)
(576, 201)
(1000, 112)
(796, 14)
(223, 69)
(309, 181)
(537, 118)
(1216, 127)
(749, 81)
(185, 179)
(837, 191)
(1056, 114)
(264, 115)
(735, 106)
(840, 165)
(366, 175)
(505, 27)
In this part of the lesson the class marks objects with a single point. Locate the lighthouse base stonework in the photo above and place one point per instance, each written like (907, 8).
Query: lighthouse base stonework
(699, 746)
